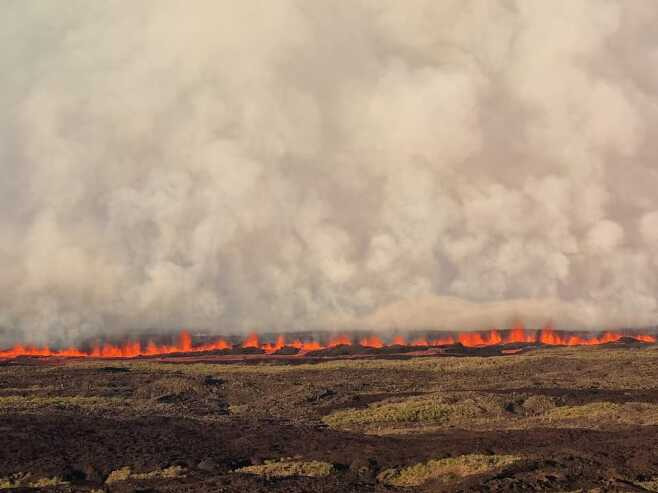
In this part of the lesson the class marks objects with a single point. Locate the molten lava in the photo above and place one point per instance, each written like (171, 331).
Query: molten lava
(251, 342)
(184, 344)
(372, 341)
(130, 349)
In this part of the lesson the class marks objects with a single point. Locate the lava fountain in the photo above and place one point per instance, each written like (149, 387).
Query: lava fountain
(184, 343)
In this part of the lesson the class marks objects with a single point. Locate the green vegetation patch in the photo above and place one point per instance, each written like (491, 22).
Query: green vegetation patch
(174, 386)
(38, 402)
(448, 469)
(287, 468)
(26, 480)
(638, 413)
(488, 411)
(437, 410)
(93, 404)
(125, 473)
(651, 485)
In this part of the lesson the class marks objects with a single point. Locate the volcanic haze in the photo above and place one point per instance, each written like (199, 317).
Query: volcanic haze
(289, 165)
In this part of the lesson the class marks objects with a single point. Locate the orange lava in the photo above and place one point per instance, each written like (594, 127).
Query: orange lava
(517, 334)
(251, 341)
(399, 341)
(340, 341)
(130, 349)
(372, 341)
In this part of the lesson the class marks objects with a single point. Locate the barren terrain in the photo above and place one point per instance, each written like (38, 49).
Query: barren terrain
(540, 419)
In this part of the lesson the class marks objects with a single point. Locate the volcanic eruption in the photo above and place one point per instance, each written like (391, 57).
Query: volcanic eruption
(340, 246)
(184, 344)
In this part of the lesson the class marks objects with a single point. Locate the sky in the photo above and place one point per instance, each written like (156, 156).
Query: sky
(286, 165)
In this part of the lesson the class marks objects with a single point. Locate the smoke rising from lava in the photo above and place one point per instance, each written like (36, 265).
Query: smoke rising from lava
(288, 165)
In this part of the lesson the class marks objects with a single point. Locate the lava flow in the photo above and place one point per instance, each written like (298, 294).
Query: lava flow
(132, 349)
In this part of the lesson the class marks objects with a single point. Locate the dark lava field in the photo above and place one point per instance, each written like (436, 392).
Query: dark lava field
(495, 419)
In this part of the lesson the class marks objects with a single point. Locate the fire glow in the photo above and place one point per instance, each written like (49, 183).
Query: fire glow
(133, 349)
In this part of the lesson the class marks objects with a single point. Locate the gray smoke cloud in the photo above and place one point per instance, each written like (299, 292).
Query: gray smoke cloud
(303, 164)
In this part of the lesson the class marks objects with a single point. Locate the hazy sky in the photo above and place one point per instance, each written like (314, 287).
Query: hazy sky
(316, 164)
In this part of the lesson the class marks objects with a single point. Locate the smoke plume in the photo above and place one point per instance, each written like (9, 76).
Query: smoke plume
(292, 165)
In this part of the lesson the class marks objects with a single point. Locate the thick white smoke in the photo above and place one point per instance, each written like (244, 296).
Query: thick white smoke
(293, 164)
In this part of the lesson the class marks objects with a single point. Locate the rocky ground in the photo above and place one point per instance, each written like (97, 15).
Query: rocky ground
(540, 419)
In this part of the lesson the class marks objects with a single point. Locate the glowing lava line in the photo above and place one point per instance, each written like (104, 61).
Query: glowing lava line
(518, 334)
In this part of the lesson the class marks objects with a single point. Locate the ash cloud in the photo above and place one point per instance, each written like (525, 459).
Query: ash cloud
(287, 165)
